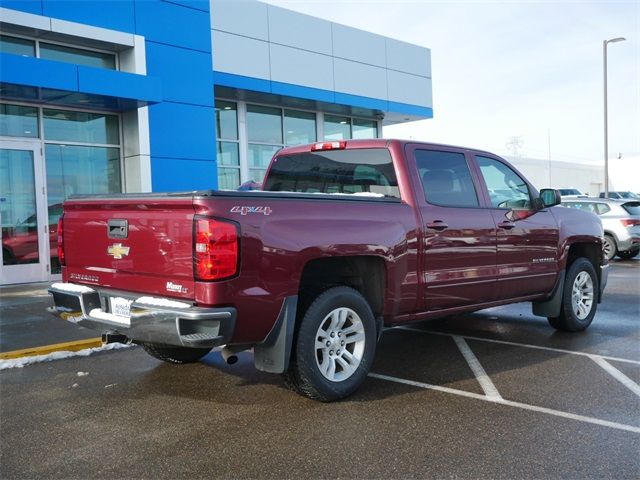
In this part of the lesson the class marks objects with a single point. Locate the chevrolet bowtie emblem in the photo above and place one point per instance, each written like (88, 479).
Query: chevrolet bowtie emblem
(118, 251)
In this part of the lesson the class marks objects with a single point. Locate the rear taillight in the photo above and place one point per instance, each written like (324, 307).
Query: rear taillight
(339, 145)
(630, 222)
(60, 241)
(215, 249)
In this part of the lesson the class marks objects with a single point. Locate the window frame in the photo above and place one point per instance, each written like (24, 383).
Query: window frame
(37, 42)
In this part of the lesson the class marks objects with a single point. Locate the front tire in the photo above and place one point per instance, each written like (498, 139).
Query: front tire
(334, 347)
(579, 298)
(173, 354)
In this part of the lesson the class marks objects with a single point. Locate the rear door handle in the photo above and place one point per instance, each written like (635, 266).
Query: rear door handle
(437, 225)
(506, 225)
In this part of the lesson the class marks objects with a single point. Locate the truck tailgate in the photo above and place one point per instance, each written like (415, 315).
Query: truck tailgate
(133, 244)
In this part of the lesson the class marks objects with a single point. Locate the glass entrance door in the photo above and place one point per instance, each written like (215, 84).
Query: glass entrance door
(23, 214)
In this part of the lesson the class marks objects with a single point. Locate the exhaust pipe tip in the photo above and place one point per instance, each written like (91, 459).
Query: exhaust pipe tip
(228, 356)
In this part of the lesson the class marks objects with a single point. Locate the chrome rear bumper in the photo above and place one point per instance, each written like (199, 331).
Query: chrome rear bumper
(151, 319)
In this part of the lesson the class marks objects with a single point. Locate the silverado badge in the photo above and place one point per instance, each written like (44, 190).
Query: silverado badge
(118, 251)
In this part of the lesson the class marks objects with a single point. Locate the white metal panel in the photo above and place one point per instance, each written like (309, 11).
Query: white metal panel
(290, 65)
(358, 45)
(240, 55)
(26, 20)
(408, 58)
(411, 89)
(240, 17)
(299, 31)
(360, 79)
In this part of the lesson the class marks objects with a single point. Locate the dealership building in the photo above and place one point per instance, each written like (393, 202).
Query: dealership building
(154, 96)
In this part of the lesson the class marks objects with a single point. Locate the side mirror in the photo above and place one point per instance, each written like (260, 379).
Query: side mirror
(550, 197)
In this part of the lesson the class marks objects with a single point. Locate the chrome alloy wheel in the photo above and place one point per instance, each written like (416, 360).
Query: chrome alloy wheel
(339, 344)
(582, 295)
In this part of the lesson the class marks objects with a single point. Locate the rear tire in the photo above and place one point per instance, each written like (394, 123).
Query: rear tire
(579, 297)
(629, 254)
(334, 346)
(173, 354)
(609, 247)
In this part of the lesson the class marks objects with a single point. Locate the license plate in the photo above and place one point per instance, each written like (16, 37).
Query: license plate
(120, 306)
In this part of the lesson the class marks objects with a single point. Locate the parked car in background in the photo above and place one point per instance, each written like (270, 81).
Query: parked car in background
(620, 220)
(621, 195)
(571, 192)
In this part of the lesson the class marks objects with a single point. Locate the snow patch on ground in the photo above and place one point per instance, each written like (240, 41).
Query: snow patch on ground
(23, 361)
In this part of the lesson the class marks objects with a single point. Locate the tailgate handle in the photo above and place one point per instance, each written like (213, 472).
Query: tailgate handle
(118, 228)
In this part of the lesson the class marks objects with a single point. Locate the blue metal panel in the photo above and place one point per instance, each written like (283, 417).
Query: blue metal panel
(29, 6)
(241, 82)
(174, 174)
(186, 74)
(119, 84)
(292, 90)
(173, 24)
(425, 112)
(364, 102)
(36, 72)
(197, 4)
(100, 13)
(182, 131)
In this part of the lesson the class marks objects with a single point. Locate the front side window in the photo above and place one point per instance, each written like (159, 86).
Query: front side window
(446, 179)
(506, 188)
(367, 172)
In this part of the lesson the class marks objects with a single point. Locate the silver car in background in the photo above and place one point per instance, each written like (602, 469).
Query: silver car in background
(620, 220)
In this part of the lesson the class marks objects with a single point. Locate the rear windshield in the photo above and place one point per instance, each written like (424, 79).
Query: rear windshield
(632, 207)
(363, 171)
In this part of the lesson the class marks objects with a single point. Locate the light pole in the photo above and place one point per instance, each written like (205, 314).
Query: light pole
(606, 125)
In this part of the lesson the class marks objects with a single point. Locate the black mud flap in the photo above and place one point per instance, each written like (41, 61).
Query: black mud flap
(274, 353)
(551, 307)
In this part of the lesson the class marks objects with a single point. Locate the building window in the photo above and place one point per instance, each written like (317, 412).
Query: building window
(227, 145)
(299, 127)
(61, 53)
(18, 121)
(78, 56)
(336, 128)
(17, 46)
(343, 128)
(264, 133)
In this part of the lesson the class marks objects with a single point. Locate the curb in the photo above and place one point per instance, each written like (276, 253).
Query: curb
(56, 347)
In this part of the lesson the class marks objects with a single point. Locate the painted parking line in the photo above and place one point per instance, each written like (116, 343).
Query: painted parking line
(617, 374)
(483, 379)
(56, 347)
(502, 401)
(525, 345)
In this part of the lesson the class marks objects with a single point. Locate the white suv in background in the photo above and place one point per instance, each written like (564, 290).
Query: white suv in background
(620, 220)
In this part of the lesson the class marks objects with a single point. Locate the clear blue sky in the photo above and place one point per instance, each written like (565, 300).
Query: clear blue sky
(514, 68)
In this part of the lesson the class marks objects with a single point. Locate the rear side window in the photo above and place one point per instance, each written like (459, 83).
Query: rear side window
(446, 179)
(633, 208)
(602, 208)
(365, 171)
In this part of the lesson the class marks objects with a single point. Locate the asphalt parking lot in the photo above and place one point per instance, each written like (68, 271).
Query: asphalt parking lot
(495, 394)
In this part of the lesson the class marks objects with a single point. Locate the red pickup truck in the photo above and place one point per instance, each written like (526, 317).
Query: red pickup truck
(344, 238)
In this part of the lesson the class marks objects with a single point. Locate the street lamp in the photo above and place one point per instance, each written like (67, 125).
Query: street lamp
(606, 126)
